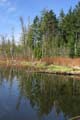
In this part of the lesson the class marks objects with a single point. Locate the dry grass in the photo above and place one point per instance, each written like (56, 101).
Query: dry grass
(62, 61)
(52, 60)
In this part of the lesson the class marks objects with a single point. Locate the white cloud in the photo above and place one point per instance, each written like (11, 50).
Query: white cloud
(7, 4)
(3, 1)
(11, 9)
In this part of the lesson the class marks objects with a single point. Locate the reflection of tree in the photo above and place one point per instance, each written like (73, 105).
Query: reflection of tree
(45, 91)
(5, 74)
(18, 102)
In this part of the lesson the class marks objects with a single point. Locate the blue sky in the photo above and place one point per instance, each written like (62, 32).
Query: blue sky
(11, 10)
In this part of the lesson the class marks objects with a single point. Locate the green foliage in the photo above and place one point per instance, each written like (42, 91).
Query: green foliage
(47, 36)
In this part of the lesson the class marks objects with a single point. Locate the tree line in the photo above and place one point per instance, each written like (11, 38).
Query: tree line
(47, 36)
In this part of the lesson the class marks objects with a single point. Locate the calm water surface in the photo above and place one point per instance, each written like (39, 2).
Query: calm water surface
(32, 96)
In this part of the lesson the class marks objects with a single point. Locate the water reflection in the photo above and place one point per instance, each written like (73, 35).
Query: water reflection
(32, 96)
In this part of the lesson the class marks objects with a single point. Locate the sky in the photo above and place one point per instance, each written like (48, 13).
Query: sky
(11, 10)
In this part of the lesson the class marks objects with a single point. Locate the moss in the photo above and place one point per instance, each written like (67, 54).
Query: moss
(40, 65)
(33, 64)
(59, 68)
(24, 63)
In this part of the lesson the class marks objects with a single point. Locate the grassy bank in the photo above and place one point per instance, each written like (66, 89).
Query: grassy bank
(52, 68)
(41, 66)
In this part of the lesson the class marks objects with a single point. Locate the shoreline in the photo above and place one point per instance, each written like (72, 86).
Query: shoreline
(42, 67)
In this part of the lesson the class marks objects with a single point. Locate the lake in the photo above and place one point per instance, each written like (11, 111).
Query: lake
(33, 96)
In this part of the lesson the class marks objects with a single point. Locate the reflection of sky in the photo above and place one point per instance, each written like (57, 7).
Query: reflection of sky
(13, 106)
(10, 100)
(54, 116)
(16, 100)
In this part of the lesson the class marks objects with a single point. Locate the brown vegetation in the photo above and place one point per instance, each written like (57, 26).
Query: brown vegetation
(52, 60)
(62, 61)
